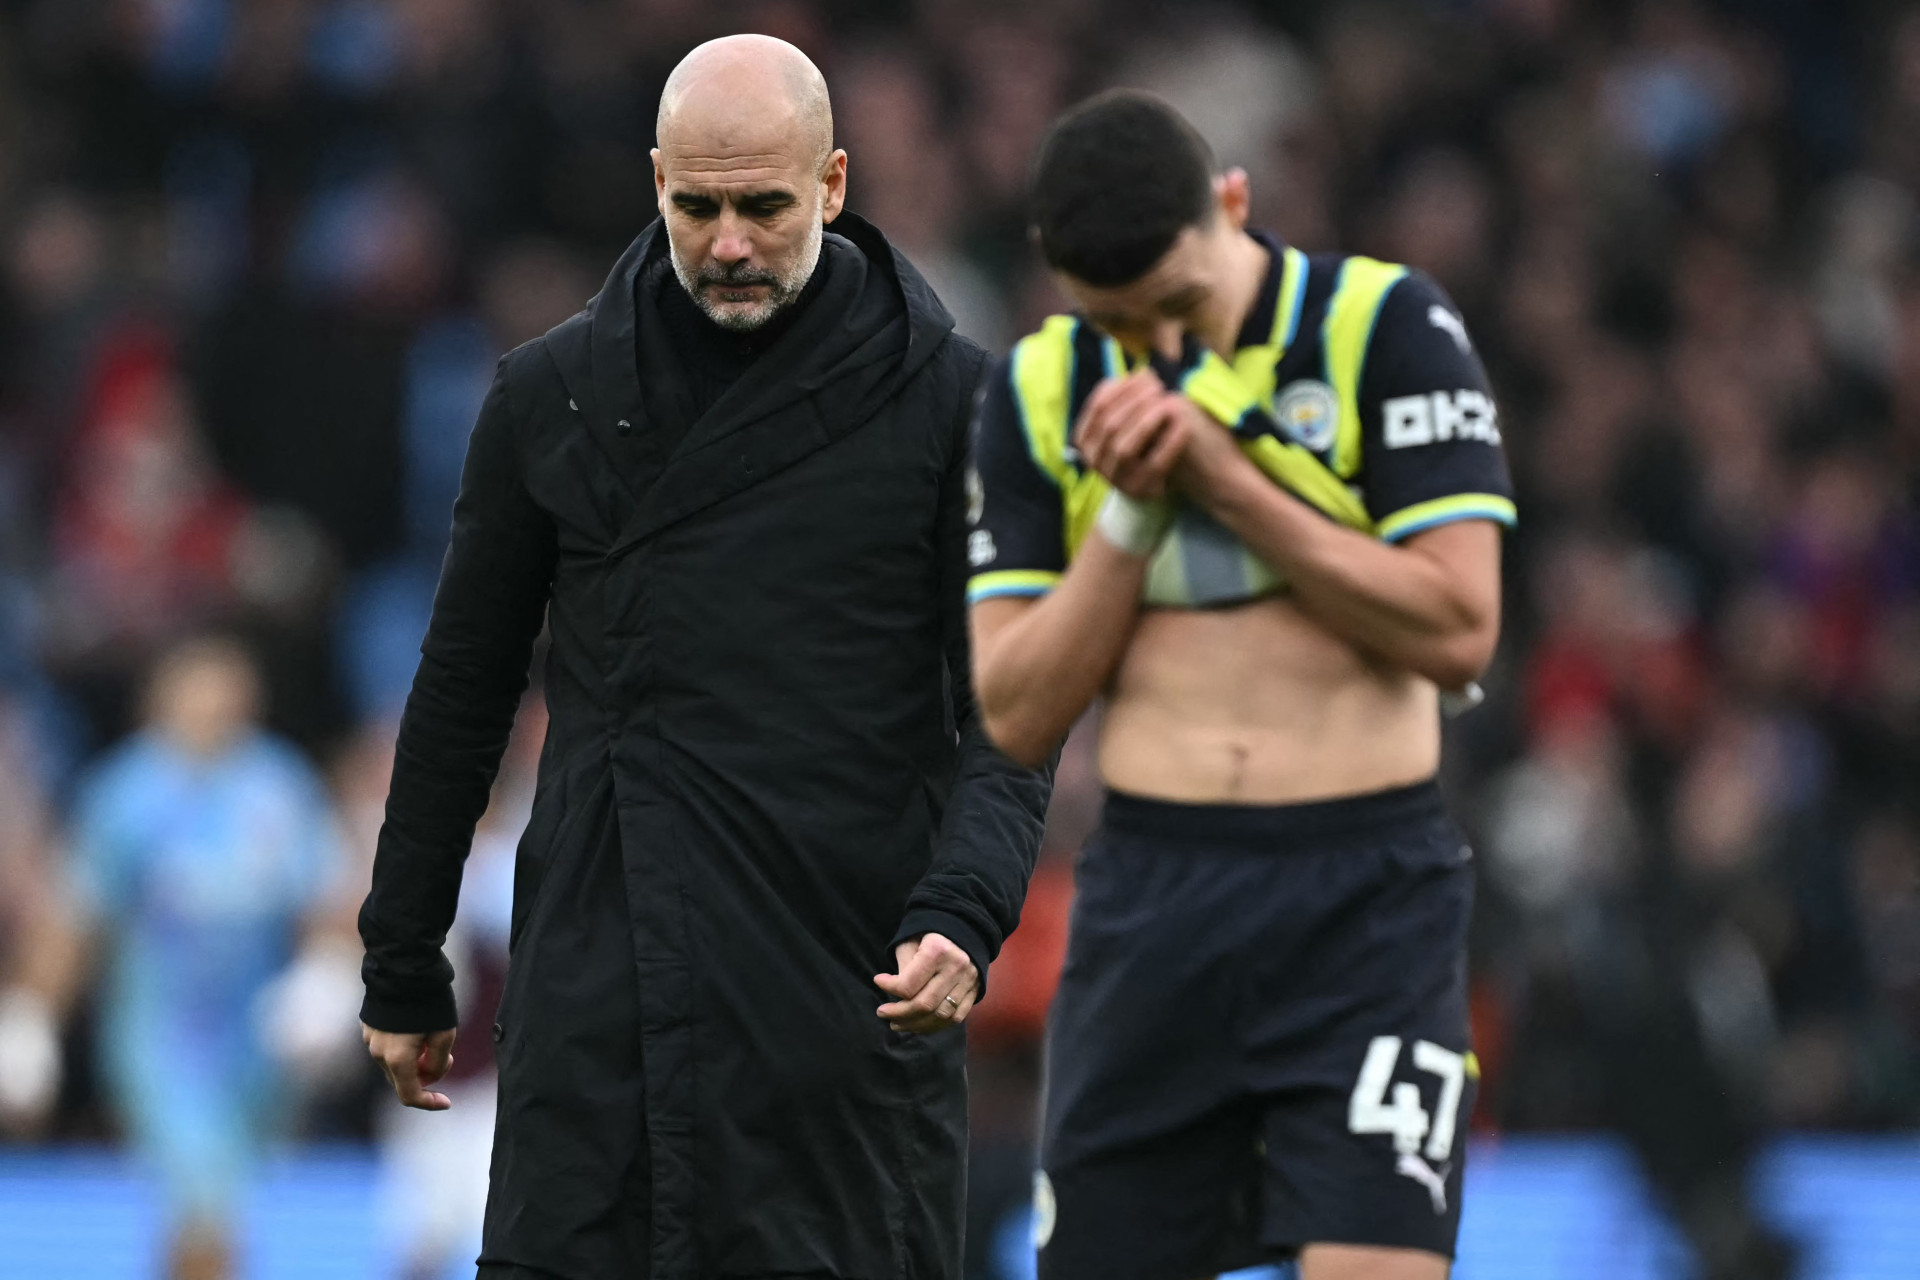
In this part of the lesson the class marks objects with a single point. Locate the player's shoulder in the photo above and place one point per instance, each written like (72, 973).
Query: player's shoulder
(1391, 322)
(1047, 352)
(1417, 312)
(1036, 375)
(1398, 287)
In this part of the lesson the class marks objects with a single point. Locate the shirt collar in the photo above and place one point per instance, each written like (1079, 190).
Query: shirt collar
(1258, 326)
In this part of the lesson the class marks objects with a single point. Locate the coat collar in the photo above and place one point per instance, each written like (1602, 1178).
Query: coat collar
(778, 420)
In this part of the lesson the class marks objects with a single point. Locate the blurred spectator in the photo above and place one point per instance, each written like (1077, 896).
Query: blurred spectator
(198, 846)
(35, 952)
(145, 534)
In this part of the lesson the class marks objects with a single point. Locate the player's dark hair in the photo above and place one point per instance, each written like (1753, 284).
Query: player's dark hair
(1115, 181)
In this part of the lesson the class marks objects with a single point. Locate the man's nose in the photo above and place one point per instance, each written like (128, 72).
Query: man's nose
(730, 242)
(1167, 335)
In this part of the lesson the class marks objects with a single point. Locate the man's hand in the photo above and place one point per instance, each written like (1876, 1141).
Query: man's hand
(413, 1060)
(1212, 459)
(935, 988)
(1132, 432)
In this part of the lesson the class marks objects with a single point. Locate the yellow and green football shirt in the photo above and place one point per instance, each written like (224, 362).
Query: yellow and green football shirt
(1354, 386)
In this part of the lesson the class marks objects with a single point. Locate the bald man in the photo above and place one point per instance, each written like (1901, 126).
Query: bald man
(771, 853)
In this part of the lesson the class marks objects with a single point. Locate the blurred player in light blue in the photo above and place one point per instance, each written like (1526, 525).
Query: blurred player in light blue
(198, 846)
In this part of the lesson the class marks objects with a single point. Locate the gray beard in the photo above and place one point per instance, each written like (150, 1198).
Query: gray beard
(783, 290)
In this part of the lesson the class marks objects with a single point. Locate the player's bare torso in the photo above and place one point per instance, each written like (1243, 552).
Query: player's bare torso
(1259, 704)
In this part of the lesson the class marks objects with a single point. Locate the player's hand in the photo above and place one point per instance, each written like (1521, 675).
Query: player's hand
(1131, 432)
(1212, 458)
(413, 1060)
(934, 989)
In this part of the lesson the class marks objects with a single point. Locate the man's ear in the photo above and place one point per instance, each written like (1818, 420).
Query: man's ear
(833, 181)
(1234, 197)
(659, 183)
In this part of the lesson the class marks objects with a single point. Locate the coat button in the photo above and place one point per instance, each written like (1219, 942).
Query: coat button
(573, 405)
(496, 1033)
(623, 427)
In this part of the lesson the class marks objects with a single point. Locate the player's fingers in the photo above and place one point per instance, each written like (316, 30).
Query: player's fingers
(1122, 387)
(1135, 424)
(1095, 405)
(1167, 446)
(1135, 472)
(1095, 441)
(1116, 451)
(966, 1004)
(1149, 421)
(1110, 399)
(1135, 392)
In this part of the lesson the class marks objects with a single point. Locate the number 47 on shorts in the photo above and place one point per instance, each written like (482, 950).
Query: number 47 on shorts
(1404, 1118)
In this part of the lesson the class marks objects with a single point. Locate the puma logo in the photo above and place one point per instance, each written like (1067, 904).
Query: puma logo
(1441, 318)
(1412, 1166)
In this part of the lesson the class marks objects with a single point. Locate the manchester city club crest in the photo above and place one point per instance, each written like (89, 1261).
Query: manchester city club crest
(1307, 413)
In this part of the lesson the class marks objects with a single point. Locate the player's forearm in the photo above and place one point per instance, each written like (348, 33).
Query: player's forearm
(1405, 606)
(1037, 665)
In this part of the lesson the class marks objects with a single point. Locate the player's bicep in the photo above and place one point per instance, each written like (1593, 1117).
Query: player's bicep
(989, 619)
(1433, 447)
(1016, 545)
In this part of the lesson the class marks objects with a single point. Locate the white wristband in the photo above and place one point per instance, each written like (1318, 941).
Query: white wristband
(1134, 526)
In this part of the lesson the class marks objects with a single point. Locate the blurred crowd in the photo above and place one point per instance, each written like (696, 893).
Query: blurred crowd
(258, 257)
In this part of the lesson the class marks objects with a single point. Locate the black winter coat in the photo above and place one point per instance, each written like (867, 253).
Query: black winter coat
(763, 768)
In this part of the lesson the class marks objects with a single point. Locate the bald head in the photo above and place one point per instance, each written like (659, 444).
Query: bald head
(746, 88)
(747, 175)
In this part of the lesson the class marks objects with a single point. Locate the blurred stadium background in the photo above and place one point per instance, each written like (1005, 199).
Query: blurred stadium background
(257, 258)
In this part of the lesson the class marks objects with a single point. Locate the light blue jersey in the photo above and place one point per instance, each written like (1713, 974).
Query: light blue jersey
(197, 871)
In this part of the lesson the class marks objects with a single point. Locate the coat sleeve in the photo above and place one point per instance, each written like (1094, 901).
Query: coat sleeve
(487, 612)
(996, 813)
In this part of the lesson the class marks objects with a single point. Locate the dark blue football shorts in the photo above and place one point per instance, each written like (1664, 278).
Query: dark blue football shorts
(1260, 1037)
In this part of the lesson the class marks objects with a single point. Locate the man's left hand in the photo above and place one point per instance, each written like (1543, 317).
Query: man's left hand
(1212, 461)
(1129, 431)
(934, 989)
